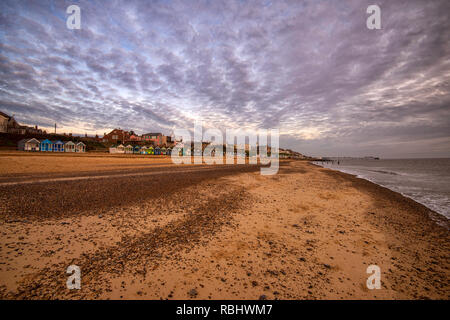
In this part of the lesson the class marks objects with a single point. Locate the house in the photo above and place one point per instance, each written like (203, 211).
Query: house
(29, 144)
(136, 149)
(58, 146)
(4, 118)
(157, 151)
(135, 137)
(163, 150)
(46, 145)
(158, 139)
(69, 146)
(150, 150)
(80, 147)
(9, 125)
(15, 127)
(129, 149)
(116, 135)
(288, 154)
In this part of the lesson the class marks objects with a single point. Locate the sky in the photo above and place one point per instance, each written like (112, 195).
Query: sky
(311, 69)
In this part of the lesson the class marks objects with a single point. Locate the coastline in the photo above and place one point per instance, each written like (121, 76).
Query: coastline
(437, 217)
(305, 233)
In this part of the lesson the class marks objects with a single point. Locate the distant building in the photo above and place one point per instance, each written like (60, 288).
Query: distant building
(4, 118)
(156, 138)
(116, 135)
(289, 154)
(122, 136)
(9, 125)
(135, 137)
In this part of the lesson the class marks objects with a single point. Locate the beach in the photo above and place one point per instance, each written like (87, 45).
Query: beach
(143, 228)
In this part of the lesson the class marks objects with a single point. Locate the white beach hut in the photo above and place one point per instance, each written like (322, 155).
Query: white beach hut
(69, 146)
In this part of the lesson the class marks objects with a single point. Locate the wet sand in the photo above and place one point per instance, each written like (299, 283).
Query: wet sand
(222, 232)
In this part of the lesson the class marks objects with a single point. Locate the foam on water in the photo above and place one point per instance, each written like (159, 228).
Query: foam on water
(426, 181)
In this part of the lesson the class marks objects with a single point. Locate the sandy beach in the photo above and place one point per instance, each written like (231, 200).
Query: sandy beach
(143, 228)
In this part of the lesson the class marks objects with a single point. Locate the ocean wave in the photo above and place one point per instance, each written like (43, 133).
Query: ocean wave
(385, 172)
(432, 202)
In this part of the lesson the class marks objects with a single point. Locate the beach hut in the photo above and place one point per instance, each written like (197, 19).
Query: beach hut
(150, 150)
(157, 151)
(46, 145)
(113, 149)
(144, 150)
(80, 147)
(29, 144)
(69, 146)
(129, 149)
(136, 149)
(169, 151)
(58, 146)
(21, 144)
(163, 150)
(120, 148)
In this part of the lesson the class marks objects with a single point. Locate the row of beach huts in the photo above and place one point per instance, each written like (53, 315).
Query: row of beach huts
(130, 149)
(47, 145)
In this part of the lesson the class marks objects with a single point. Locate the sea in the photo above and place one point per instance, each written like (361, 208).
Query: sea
(426, 181)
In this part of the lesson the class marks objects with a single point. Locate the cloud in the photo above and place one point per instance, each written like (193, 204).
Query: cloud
(310, 68)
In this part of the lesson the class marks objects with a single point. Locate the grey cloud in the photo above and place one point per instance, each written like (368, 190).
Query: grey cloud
(311, 68)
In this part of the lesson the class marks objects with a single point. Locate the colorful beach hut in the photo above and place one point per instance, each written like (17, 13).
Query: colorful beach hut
(150, 150)
(136, 149)
(163, 150)
(169, 151)
(46, 145)
(157, 151)
(58, 146)
(143, 150)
